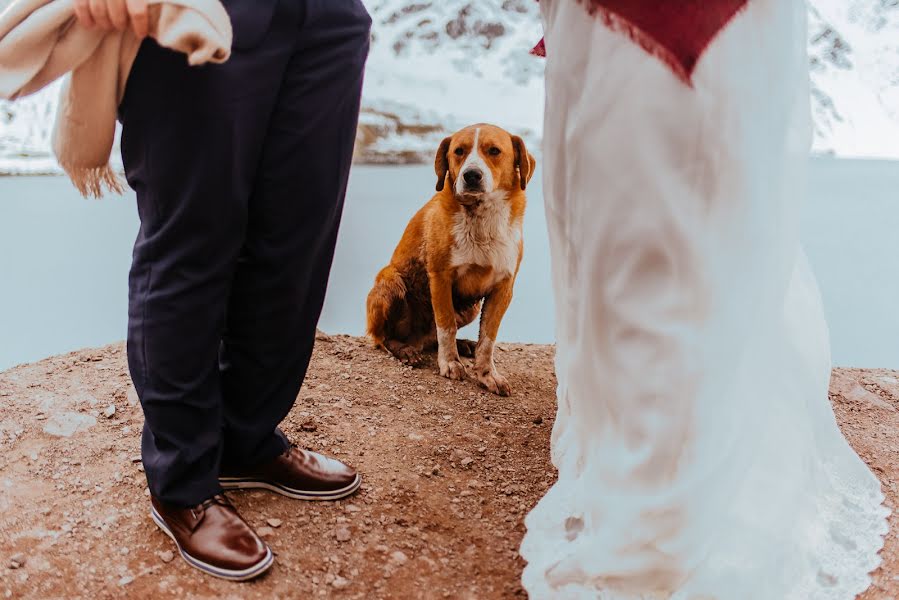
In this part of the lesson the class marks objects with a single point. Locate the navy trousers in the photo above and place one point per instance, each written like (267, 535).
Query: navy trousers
(240, 171)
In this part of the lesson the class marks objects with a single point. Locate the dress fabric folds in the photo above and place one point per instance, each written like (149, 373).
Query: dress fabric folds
(698, 454)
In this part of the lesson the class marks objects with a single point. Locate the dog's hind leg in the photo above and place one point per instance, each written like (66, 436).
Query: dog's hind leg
(408, 354)
(466, 348)
(387, 295)
(389, 318)
(464, 317)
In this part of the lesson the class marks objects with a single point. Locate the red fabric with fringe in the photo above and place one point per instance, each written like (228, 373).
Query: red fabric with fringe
(676, 31)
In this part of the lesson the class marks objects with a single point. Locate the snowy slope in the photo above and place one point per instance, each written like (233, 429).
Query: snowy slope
(854, 53)
(465, 60)
(25, 128)
(441, 64)
(461, 61)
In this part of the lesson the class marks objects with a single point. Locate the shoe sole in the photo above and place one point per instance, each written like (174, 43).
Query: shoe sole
(237, 483)
(231, 575)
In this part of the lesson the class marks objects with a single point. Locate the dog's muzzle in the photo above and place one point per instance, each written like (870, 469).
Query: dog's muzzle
(473, 178)
(472, 186)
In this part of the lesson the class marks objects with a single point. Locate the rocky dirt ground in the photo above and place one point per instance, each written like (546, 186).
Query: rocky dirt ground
(450, 472)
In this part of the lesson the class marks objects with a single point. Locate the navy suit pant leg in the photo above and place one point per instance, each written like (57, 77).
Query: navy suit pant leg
(240, 171)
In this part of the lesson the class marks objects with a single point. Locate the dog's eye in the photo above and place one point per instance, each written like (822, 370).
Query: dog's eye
(459, 151)
(493, 151)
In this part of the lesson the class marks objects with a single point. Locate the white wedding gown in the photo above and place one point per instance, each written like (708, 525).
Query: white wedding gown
(697, 451)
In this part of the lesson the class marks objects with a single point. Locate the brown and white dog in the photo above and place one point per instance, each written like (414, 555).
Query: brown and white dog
(462, 249)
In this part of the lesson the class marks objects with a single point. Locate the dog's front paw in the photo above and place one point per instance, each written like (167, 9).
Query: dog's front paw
(452, 369)
(496, 383)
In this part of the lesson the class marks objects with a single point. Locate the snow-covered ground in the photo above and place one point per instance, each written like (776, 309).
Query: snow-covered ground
(437, 65)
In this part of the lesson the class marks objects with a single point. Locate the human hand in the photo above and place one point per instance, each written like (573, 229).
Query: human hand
(112, 15)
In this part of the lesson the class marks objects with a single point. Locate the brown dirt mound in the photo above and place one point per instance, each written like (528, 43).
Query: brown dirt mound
(449, 473)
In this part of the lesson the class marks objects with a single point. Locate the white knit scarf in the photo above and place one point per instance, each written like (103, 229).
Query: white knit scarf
(41, 41)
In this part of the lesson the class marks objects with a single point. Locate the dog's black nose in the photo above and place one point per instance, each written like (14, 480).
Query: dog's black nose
(472, 177)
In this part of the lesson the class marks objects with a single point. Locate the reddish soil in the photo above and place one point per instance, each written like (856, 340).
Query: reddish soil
(449, 473)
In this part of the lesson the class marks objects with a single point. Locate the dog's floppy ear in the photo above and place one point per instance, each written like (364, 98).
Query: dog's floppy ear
(441, 162)
(524, 162)
(533, 163)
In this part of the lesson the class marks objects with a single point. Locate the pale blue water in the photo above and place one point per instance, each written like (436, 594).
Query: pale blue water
(64, 260)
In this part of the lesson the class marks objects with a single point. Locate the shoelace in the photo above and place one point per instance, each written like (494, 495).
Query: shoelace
(219, 499)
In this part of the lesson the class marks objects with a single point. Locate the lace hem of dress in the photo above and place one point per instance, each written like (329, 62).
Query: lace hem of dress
(856, 520)
(844, 537)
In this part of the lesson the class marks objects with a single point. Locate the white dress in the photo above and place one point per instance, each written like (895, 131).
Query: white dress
(697, 451)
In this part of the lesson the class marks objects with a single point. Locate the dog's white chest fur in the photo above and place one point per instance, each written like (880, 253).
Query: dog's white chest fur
(486, 237)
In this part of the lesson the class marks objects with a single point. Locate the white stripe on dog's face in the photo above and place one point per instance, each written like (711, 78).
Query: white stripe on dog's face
(475, 162)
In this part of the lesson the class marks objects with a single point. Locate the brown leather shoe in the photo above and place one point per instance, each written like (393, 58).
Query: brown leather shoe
(299, 474)
(213, 538)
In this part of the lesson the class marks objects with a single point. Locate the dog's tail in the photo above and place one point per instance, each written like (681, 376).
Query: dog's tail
(389, 287)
